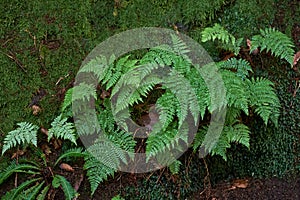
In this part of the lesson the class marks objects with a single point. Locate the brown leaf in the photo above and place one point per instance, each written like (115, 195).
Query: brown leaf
(240, 183)
(35, 109)
(46, 149)
(104, 94)
(57, 143)
(296, 58)
(17, 154)
(66, 167)
(45, 131)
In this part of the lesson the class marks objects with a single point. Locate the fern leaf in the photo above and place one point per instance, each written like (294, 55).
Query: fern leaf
(26, 133)
(83, 92)
(32, 192)
(43, 193)
(62, 129)
(12, 194)
(20, 168)
(97, 172)
(175, 167)
(241, 66)
(279, 44)
(76, 152)
(264, 99)
(69, 191)
(217, 32)
(67, 100)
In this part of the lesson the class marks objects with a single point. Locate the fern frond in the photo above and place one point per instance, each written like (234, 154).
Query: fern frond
(14, 193)
(97, 172)
(76, 152)
(161, 141)
(219, 33)
(20, 168)
(237, 93)
(26, 133)
(32, 192)
(83, 92)
(264, 99)
(122, 140)
(279, 44)
(67, 100)
(69, 191)
(62, 129)
(241, 66)
(43, 193)
(97, 66)
(175, 167)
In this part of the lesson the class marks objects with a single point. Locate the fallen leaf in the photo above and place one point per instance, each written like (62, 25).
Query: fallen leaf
(46, 149)
(45, 131)
(57, 143)
(296, 58)
(17, 154)
(35, 109)
(66, 167)
(240, 183)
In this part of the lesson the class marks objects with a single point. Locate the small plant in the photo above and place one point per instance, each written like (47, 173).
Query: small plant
(43, 176)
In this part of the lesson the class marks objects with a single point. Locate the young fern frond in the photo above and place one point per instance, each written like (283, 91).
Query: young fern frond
(97, 172)
(26, 133)
(69, 191)
(62, 129)
(217, 32)
(279, 44)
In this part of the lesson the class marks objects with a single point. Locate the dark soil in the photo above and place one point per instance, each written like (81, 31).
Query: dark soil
(273, 188)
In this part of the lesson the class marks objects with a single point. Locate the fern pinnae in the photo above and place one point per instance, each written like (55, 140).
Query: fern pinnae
(62, 129)
(76, 152)
(68, 190)
(26, 133)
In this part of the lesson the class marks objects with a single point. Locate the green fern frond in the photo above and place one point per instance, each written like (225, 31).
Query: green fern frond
(83, 92)
(237, 93)
(69, 191)
(264, 99)
(160, 142)
(62, 129)
(175, 167)
(279, 44)
(14, 193)
(241, 66)
(238, 133)
(20, 168)
(98, 66)
(122, 140)
(32, 192)
(217, 32)
(97, 172)
(43, 193)
(26, 133)
(67, 100)
(76, 152)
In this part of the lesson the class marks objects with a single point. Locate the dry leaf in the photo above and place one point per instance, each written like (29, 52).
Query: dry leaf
(17, 154)
(104, 94)
(46, 149)
(296, 58)
(35, 109)
(240, 183)
(66, 167)
(45, 131)
(57, 143)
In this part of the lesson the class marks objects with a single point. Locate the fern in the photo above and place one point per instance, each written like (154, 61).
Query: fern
(97, 172)
(32, 192)
(276, 42)
(264, 100)
(26, 133)
(175, 167)
(69, 191)
(76, 152)
(217, 32)
(62, 129)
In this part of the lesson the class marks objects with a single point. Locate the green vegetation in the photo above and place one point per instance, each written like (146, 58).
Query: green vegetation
(43, 44)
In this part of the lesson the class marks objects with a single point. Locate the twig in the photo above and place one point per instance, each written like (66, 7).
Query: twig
(12, 56)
